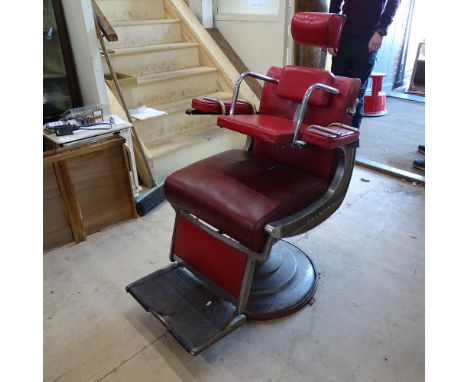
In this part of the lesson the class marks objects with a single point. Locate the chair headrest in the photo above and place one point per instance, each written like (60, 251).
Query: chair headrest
(295, 80)
(318, 29)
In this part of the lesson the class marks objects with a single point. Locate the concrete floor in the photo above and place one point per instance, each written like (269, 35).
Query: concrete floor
(367, 323)
(393, 139)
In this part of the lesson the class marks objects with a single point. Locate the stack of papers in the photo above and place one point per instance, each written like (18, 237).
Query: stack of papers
(144, 112)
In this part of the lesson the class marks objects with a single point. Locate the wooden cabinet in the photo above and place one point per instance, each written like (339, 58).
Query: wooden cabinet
(418, 77)
(85, 188)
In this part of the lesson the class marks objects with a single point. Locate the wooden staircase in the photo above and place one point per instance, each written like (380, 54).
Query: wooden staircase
(170, 68)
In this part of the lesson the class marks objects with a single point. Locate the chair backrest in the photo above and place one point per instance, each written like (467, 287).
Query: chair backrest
(283, 98)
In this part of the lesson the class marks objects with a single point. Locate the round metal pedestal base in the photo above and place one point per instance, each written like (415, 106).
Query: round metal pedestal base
(283, 284)
(376, 114)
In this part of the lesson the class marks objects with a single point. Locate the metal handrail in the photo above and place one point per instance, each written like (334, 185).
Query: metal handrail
(303, 108)
(237, 85)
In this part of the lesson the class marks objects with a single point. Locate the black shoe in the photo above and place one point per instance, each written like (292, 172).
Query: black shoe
(420, 164)
(422, 149)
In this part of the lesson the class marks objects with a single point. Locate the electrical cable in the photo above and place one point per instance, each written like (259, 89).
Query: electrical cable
(88, 127)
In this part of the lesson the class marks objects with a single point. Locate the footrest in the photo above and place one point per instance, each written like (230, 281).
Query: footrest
(193, 315)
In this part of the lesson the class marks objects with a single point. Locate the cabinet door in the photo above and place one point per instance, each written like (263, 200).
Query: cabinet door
(103, 188)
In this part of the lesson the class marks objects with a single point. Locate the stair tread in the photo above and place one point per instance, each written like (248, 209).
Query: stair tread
(153, 48)
(183, 139)
(118, 23)
(176, 120)
(169, 140)
(153, 77)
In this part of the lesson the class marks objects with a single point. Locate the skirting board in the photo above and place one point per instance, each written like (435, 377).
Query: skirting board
(393, 171)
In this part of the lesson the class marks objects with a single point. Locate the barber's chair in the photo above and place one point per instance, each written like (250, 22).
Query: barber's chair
(234, 208)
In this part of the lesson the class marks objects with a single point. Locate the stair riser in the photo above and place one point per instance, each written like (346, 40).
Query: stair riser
(169, 90)
(116, 10)
(146, 34)
(155, 128)
(155, 61)
(164, 165)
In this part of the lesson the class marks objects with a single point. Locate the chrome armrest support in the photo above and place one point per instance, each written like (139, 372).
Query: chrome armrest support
(303, 109)
(325, 206)
(352, 109)
(220, 103)
(237, 85)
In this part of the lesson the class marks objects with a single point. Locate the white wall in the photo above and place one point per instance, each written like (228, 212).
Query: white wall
(258, 35)
(255, 7)
(203, 9)
(80, 23)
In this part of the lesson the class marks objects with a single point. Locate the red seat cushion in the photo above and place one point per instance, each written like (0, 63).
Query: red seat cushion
(268, 128)
(239, 192)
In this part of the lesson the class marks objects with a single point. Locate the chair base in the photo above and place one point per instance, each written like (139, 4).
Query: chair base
(283, 284)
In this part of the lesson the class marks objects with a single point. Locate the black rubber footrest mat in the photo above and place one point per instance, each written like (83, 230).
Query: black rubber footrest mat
(193, 315)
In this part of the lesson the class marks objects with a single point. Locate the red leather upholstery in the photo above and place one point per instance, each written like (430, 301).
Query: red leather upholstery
(239, 192)
(209, 256)
(274, 123)
(319, 29)
(317, 161)
(213, 107)
(325, 137)
(272, 104)
(265, 127)
(295, 80)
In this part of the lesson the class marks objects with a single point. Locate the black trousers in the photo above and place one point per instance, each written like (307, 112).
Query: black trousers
(354, 60)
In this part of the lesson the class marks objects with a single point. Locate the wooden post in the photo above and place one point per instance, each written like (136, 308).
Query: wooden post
(70, 201)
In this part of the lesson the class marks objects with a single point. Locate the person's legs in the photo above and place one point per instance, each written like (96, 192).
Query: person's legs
(420, 164)
(354, 60)
(362, 68)
(341, 63)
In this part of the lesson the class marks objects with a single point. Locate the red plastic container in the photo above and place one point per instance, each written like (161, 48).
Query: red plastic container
(375, 103)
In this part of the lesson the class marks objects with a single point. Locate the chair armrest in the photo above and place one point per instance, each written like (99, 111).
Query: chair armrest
(216, 106)
(238, 83)
(303, 108)
(331, 137)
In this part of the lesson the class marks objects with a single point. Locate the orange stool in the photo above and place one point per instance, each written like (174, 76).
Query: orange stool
(375, 103)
